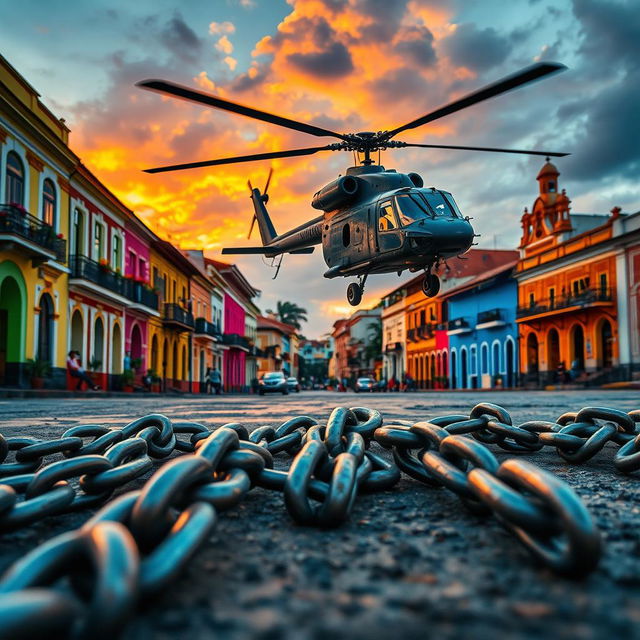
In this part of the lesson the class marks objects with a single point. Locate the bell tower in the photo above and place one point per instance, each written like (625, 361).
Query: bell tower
(548, 182)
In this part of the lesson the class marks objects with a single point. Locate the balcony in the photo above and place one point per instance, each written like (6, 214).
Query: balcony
(235, 340)
(458, 326)
(425, 330)
(490, 319)
(206, 329)
(175, 317)
(32, 236)
(563, 304)
(393, 346)
(83, 268)
(411, 335)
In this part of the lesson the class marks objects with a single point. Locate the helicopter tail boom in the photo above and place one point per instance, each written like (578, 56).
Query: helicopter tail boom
(268, 251)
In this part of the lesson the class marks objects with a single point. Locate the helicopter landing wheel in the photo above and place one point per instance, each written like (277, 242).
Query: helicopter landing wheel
(431, 285)
(354, 294)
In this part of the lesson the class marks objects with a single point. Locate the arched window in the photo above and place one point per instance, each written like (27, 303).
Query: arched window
(484, 351)
(49, 203)
(15, 179)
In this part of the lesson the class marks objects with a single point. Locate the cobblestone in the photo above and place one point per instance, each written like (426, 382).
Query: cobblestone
(410, 563)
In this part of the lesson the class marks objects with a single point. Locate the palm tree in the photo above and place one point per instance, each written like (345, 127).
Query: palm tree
(290, 313)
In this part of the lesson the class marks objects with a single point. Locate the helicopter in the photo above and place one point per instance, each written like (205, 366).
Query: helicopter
(373, 220)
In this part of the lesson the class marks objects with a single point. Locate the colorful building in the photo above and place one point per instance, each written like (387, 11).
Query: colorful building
(277, 342)
(482, 331)
(394, 334)
(567, 290)
(35, 166)
(427, 319)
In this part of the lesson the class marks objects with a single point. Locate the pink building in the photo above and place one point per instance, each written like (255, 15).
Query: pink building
(144, 301)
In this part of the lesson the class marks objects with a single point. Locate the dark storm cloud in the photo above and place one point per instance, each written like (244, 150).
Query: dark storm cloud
(476, 49)
(400, 85)
(386, 18)
(416, 44)
(180, 39)
(247, 81)
(334, 62)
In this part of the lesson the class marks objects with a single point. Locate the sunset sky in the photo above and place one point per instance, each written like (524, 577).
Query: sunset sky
(348, 65)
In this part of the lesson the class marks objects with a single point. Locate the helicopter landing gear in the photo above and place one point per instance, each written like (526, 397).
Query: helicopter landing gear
(430, 285)
(355, 291)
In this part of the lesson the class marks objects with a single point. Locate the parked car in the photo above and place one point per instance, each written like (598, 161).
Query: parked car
(273, 382)
(365, 384)
(293, 384)
(381, 385)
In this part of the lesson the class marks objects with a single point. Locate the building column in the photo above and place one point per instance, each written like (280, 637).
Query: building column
(622, 297)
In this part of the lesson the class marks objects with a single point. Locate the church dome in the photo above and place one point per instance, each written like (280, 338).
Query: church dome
(549, 169)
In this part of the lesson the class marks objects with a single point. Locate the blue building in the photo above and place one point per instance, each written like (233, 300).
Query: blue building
(482, 331)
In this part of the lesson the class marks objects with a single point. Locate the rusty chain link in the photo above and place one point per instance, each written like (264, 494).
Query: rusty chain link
(136, 544)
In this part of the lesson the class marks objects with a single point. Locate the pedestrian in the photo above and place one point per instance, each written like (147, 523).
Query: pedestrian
(127, 360)
(76, 370)
(215, 379)
(561, 373)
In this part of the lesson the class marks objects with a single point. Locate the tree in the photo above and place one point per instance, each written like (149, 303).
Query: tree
(373, 349)
(290, 313)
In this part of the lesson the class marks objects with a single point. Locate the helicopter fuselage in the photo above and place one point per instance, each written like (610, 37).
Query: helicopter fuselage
(378, 221)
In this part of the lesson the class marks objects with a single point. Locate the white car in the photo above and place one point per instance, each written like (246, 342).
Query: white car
(293, 384)
(365, 384)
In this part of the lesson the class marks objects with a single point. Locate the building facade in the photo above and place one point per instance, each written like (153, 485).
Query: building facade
(394, 335)
(567, 290)
(482, 331)
(278, 345)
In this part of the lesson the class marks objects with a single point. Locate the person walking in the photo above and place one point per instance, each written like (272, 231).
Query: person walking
(77, 371)
(215, 380)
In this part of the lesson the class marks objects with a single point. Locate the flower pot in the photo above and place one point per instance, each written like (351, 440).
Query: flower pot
(37, 383)
(127, 388)
(155, 387)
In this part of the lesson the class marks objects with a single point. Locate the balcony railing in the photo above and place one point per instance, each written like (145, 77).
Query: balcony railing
(87, 269)
(425, 330)
(204, 327)
(491, 315)
(235, 340)
(411, 335)
(393, 346)
(457, 324)
(584, 298)
(103, 276)
(175, 315)
(16, 221)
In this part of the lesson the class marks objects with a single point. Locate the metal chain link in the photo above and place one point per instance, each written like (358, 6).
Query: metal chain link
(139, 542)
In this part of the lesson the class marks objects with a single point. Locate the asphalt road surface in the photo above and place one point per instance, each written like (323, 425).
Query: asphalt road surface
(411, 562)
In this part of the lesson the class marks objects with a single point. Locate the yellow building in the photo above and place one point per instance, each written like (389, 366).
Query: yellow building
(35, 166)
(170, 336)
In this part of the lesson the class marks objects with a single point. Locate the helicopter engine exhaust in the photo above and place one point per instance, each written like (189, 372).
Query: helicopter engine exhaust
(336, 194)
(417, 180)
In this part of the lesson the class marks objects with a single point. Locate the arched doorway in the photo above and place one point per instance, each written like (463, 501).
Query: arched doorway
(184, 362)
(136, 344)
(463, 368)
(495, 360)
(445, 368)
(154, 353)
(45, 329)
(532, 353)
(12, 325)
(98, 344)
(77, 333)
(176, 370)
(202, 366)
(454, 371)
(116, 350)
(165, 360)
(553, 350)
(432, 372)
(605, 345)
(577, 348)
(509, 367)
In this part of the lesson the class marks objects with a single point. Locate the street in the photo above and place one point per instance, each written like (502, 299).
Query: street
(411, 562)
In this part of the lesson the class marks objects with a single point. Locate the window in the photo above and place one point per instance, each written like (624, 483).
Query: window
(98, 241)
(452, 203)
(485, 358)
(49, 203)
(78, 232)
(436, 202)
(15, 179)
(603, 284)
(410, 209)
(532, 300)
(387, 217)
(116, 252)
(132, 264)
(142, 268)
(552, 298)
(552, 186)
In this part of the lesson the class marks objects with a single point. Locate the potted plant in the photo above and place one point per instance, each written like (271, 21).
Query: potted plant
(94, 365)
(154, 381)
(37, 370)
(136, 363)
(126, 379)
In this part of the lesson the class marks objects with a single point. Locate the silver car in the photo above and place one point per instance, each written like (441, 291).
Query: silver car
(365, 384)
(273, 382)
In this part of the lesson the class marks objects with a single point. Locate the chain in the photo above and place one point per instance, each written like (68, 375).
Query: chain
(137, 543)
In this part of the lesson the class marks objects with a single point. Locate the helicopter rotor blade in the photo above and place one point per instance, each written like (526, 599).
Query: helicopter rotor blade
(253, 222)
(449, 146)
(524, 76)
(208, 99)
(266, 186)
(290, 153)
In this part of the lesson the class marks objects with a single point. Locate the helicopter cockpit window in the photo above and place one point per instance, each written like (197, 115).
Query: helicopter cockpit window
(410, 209)
(436, 202)
(452, 203)
(387, 217)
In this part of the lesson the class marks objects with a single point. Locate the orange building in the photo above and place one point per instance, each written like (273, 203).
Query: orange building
(426, 319)
(566, 277)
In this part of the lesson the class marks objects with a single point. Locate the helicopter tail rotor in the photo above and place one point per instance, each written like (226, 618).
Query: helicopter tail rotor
(264, 196)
